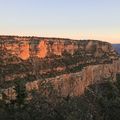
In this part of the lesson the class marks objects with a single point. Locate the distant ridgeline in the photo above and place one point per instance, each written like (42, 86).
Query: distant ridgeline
(117, 47)
(38, 58)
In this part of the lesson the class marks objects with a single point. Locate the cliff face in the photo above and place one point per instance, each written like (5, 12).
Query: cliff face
(64, 62)
(26, 47)
(74, 84)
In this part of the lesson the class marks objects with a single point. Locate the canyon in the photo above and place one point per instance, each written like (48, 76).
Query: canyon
(70, 65)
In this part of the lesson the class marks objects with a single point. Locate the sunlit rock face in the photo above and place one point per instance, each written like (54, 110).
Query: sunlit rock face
(26, 47)
(61, 61)
(42, 50)
(24, 51)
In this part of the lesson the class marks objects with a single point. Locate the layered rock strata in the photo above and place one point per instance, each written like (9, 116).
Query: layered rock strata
(66, 63)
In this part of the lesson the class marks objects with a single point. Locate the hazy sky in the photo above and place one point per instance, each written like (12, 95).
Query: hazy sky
(77, 19)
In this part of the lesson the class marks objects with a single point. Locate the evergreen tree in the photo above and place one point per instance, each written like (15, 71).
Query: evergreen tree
(21, 92)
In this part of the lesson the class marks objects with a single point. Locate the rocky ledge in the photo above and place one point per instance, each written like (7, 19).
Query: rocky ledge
(34, 59)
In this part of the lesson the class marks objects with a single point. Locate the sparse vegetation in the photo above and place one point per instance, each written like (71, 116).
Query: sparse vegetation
(99, 102)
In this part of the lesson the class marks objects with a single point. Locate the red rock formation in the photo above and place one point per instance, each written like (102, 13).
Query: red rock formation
(74, 84)
(24, 51)
(70, 65)
(42, 50)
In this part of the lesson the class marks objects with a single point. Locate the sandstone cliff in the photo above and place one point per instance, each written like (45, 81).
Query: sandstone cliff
(71, 65)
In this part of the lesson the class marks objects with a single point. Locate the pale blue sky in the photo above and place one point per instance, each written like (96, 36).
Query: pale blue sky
(77, 19)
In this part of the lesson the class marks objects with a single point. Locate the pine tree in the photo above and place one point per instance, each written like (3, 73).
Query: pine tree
(21, 92)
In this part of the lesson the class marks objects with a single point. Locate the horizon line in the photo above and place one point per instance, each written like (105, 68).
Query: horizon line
(64, 38)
